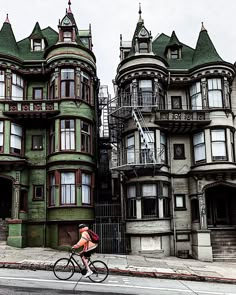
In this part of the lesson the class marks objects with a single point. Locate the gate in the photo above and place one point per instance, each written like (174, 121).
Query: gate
(112, 238)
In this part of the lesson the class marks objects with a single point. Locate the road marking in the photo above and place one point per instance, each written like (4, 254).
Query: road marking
(117, 285)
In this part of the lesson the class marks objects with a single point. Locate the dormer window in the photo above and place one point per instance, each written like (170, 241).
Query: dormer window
(37, 45)
(174, 54)
(67, 36)
(143, 47)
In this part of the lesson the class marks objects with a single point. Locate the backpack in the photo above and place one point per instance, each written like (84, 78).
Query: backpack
(93, 236)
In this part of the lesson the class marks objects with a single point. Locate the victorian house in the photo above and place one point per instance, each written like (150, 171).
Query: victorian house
(48, 133)
(173, 130)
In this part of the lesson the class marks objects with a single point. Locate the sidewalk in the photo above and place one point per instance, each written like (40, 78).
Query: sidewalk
(169, 267)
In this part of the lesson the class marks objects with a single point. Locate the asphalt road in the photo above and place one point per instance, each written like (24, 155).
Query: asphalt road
(22, 282)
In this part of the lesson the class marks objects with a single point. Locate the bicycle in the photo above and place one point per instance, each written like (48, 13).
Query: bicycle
(64, 268)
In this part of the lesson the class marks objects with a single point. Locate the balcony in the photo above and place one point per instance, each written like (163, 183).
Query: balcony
(128, 159)
(182, 121)
(31, 109)
(122, 105)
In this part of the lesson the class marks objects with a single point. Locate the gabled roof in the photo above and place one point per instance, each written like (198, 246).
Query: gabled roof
(205, 51)
(174, 41)
(8, 43)
(36, 33)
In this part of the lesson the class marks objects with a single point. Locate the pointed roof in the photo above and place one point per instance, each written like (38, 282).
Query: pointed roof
(205, 51)
(174, 41)
(8, 43)
(37, 32)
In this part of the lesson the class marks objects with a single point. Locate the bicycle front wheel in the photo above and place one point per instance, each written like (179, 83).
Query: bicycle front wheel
(100, 271)
(64, 269)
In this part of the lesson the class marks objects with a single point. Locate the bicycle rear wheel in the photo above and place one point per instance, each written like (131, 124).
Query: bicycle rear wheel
(64, 269)
(100, 271)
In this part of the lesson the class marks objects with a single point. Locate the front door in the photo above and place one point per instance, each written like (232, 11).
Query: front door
(5, 198)
(218, 211)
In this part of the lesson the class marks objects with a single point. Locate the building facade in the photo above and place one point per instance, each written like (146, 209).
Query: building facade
(48, 133)
(173, 125)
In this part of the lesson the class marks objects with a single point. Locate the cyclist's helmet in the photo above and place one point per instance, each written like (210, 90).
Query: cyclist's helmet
(82, 225)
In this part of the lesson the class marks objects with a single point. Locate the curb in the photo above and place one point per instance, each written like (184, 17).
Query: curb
(127, 272)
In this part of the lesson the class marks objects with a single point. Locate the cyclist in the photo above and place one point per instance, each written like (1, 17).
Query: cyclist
(88, 247)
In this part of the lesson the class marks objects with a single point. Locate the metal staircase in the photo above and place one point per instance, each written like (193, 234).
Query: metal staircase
(144, 132)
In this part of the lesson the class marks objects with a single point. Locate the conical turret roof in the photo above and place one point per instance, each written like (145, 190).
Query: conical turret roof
(8, 43)
(205, 51)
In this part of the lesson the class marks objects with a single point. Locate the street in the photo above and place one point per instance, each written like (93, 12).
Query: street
(22, 282)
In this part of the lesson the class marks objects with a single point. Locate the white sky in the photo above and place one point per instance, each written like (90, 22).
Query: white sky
(110, 18)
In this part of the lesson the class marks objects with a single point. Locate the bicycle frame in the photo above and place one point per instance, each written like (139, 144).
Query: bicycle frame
(71, 257)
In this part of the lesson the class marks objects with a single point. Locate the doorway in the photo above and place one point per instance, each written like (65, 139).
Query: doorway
(5, 198)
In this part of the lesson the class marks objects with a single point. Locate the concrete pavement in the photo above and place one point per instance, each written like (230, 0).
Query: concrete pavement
(169, 267)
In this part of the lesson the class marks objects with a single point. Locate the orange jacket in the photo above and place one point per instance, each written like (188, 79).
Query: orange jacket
(85, 241)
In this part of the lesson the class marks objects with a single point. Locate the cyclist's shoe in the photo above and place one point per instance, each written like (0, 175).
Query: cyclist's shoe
(88, 274)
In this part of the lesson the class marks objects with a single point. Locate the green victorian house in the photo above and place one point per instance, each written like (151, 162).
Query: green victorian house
(48, 134)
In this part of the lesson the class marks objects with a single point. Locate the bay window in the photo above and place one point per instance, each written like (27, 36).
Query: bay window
(196, 96)
(16, 139)
(199, 147)
(145, 93)
(86, 188)
(1, 136)
(52, 190)
(130, 155)
(131, 201)
(17, 87)
(85, 87)
(2, 84)
(67, 188)
(67, 83)
(149, 201)
(218, 145)
(215, 97)
(147, 153)
(85, 137)
(67, 134)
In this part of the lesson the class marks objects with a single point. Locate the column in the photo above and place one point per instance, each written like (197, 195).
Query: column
(202, 211)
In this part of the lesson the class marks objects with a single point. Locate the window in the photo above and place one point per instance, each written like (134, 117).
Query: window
(86, 189)
(23, 201)
(17, 87)
(37, 142)
(218, 145)
(163, 149)
(1, 136)
(85, 87)
(147, 152)
(52, 182)
(232, 146)
(2, 84)
(37, 45)
(215, 93)
(149, 201)
(85, 137)
(67, 36)
(165, 200)
(67, 188)
(179, 153)
(180, 202)
(38, 192)
(67, 83)
(145, 93)
(143, 47)
(131, 201)
(199, 147)
(52, 87)
(176, 102)
(196, 96)
(130, 155)
(38, 93)
(52, 138)
(16, 139)
(67, 134)
(174, 54)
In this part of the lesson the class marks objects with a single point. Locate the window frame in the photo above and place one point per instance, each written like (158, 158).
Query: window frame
(37, 45)
(2, 85)
(17, 84)
(16, 136)
(131, 199)
(35, 197)
(212, 97)
(178, 100)
(86, 137)
(196, 94)
(174, 53)
(180, 146)
(130, 148)
(198, 145)
(85, 82)
(1, 136)
(40, 89)
(88, 186)
(67, 36)
(64, 187)
(67, 135)
(154, 198)
(34, 147)
(67, 83)
(183, 207)
(218, 141)
(52, 190)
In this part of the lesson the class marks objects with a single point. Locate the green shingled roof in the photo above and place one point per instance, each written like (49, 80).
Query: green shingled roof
(36, 33)
(8, 43)
(205, 50)
(173, 40)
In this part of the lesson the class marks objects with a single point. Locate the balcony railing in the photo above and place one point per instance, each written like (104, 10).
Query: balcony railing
(31, 108)
(126, 159)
